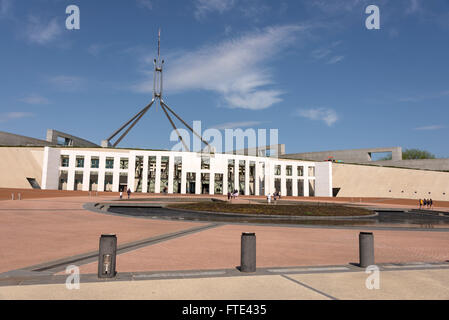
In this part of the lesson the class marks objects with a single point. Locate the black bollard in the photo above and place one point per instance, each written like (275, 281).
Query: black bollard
(107, 256)
(366, 249)
(248, 253)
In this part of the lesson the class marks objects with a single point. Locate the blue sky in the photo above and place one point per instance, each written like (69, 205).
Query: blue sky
(308, 68)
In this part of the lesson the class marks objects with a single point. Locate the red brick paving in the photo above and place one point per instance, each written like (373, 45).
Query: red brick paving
(37, 231)
(34, 231)
(280, 247)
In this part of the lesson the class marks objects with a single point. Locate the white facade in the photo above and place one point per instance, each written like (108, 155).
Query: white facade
(115, 169)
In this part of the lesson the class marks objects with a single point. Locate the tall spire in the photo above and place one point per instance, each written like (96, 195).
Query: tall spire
(159, 44)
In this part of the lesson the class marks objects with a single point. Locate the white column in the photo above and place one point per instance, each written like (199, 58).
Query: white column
(183, 178)
(247, 177)
(198, 182)
(145, 175)
(116, 174)
(283, 190)
(256, 178)
(225, 180)
(157, 185)
(131, 171)
(171, 168)
(236, 174)
(71, 173)
(211, 182)
(86, 173)
(101, 172)
(294, 186)
(306, 181)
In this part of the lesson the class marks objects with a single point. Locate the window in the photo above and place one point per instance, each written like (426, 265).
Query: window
(311, 171)
(94, 162)
(123, 163)
(64, 161)
(109, 163)
(205, 163)
(288, 170)
(277, 170)
(80, 162)
(300, 171)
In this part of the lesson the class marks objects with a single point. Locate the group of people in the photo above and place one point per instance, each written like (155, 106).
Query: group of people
(234, 194)
(128, 192)
(425, 203)
(276, 196)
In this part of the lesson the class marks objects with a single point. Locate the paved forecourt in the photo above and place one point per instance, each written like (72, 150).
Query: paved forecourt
(39, 231)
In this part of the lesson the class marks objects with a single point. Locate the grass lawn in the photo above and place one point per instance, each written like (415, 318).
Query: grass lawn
(274, 209)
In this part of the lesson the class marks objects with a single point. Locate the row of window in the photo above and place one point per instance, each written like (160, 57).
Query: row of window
(289, 171)
(94, 162)
(205, 164)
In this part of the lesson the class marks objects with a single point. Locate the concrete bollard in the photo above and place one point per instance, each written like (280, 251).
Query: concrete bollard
(107, 256)
(366, 249)
(248, 252)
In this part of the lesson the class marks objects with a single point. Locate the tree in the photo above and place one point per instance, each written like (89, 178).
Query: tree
(413, 154)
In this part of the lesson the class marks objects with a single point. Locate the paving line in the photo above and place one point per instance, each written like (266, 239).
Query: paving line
(309, 287)
(413, 266)
(60, 265)
(180, 274)
(306, 269)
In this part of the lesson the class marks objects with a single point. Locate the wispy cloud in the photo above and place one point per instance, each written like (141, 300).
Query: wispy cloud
(413, 7)
(335, 59)
(203, 7)
(333, 6)
(147, 4)
(425, 96)
(430, 128)
(236, 69)
(8, 116)
(327, 53)
(35, 99)
(40, 32)
(66, 83)
(233, 125)
(329, 116)
(5, 7)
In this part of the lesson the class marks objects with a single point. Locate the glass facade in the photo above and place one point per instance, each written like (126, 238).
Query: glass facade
(165, 164)
(205, 163)
(311, 171)
(231, 168)
(177, 175)
(109, 163)
(218, 183)
(123, 163)
(151, 174)
(277, 170)
(94, 162)
(64, 161)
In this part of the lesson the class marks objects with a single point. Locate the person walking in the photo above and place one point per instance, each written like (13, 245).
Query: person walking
(129, 192)
(269, 198)
(420, 203)
(431, 203)
(121, 194)
(229, 196)
(425, 203)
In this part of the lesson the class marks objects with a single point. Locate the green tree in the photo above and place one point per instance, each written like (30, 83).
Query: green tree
(412, 154)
